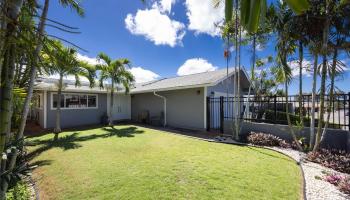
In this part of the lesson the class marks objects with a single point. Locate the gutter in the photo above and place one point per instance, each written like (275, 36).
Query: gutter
(164, 98)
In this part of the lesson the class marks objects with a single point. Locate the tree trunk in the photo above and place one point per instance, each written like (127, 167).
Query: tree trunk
(235, 125)
(33, 70)
(321, 109)
(57, 129)
(323, 77)
(13, 10)
(288, 119)
(331, 92)
(6, 95)
(252, 76)
(238, 123)
(301, 57)
(313, 103)
(111, 106)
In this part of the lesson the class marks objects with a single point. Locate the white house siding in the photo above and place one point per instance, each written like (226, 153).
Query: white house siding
(185, 107)
(121, 106)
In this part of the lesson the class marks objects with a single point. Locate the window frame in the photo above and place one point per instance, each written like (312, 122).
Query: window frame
(80, 94)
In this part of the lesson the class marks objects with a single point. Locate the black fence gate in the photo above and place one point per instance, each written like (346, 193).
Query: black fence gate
(272, 109)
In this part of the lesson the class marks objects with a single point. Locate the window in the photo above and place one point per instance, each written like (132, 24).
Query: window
(55, 99)
(92, 101)
(75, 101)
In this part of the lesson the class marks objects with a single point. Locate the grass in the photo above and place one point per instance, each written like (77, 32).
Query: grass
(130, 162)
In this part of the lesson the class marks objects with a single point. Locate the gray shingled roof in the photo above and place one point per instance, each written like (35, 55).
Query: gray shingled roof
(50, 84)
(180, 82)
(187, 81)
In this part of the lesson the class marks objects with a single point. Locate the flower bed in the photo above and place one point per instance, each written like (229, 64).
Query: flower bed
(342, 182)
(334, 159)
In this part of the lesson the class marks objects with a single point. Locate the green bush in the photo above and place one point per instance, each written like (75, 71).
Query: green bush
(19, 192)
(281, 118)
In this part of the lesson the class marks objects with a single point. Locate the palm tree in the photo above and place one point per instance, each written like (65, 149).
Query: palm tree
(39, 45)
(338, 36)
(323, 71)
(7, 66)
(114, 71)
(252, 12)
(281, 18)
(63, 61)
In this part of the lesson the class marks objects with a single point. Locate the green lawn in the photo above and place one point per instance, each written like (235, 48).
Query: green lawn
(130, 162)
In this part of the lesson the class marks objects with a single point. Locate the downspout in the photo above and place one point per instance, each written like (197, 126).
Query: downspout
(164, 98)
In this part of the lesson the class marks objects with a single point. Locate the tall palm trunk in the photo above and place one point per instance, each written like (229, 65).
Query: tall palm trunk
(33, 70)
(323, 79)
(7, 70)
(322, 102)
(57, 129)
(313, 102)
(331, 92)
(301, 57)
(111, 105)
(235, 78)
(7, 30)
(239, 102)
(252, 76)
(288, 118)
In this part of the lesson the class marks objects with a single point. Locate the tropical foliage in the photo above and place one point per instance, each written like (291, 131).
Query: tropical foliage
(114, 71)
(300, 27)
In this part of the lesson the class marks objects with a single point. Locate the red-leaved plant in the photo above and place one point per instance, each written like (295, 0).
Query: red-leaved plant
(335, 159)
(342, 182)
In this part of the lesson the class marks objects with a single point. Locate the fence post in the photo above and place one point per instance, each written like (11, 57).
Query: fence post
(208, 113)
(222, 114)
(275, 109)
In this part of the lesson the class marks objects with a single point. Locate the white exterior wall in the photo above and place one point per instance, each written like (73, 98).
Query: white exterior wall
(121, 107)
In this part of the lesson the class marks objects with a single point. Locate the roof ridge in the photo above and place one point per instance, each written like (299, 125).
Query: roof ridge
(196, 73)
(151, 82)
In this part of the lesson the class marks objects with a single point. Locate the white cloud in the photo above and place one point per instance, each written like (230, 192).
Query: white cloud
(91, 61)
(203, 16)
(165, 5)
(143, 75)
(295, 68)
(155, 24)
(195, 65)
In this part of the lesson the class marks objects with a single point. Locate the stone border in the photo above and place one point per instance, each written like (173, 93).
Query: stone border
(33, 188)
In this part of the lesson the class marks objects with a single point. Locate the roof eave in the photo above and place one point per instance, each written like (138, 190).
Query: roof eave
(172, 88)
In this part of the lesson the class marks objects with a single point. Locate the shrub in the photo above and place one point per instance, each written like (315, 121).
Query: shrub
(335, 159)
(334, 179)
(281, 118)
(342, 182)
(263, 139)
(19, 192)
(344, 185)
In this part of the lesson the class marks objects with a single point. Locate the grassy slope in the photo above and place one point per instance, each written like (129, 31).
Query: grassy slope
(137, 163)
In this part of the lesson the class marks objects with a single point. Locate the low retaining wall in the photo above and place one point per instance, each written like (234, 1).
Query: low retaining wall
(334, 138)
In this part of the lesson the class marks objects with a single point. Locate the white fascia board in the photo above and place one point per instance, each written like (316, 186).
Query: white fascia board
(172, 88)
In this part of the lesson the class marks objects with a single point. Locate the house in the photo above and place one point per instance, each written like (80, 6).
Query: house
(175, 102)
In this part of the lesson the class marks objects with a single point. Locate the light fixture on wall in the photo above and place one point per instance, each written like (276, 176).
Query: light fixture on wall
(198, 92)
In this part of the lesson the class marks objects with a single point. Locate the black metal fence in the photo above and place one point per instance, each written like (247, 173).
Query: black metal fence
(272, 109)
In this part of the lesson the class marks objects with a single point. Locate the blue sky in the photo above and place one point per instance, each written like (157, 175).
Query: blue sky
(158, 37)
